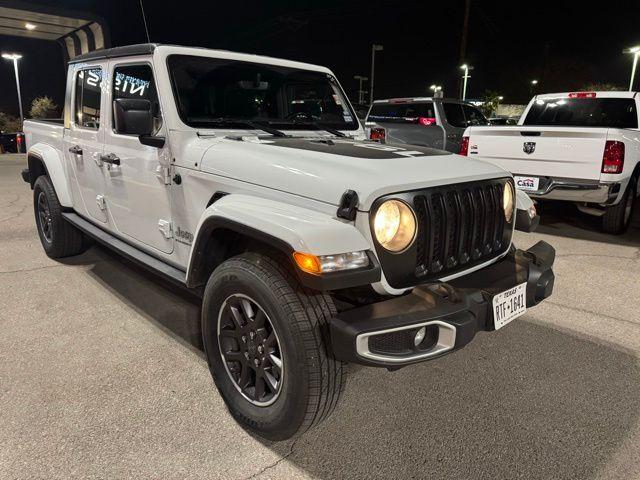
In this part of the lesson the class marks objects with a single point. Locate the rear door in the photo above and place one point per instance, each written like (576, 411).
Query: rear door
(83, 141)
(409, 122)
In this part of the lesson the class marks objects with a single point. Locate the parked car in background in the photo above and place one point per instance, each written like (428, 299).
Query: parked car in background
(9, 142)
(429, 121)
(580, 147)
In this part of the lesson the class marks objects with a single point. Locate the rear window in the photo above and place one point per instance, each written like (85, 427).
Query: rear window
(584, 112)
(401, 112)
(461, 115)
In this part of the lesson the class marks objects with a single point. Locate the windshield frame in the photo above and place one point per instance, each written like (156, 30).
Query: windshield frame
(280, 124)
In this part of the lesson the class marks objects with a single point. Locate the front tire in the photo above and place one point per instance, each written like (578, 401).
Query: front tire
(267, 343)
(58, 237)
(617, 218)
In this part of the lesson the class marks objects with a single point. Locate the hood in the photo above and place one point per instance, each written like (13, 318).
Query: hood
(324, 168)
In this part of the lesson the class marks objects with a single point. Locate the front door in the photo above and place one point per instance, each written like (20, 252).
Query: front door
(84, 140)
(137, 190)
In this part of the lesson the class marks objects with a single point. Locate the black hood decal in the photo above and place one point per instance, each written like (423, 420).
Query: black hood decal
(357, 149)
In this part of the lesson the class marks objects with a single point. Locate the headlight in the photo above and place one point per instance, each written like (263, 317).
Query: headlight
(394, 225)
(507, 202)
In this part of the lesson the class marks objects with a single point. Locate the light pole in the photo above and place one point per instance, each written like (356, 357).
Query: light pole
(466, 77)
(360, 79)
(15, 57)
(374, 48)
(636, 52)
(435, 88)
(533, 86)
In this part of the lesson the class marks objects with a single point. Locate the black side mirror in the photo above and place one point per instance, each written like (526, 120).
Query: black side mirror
(133, 116)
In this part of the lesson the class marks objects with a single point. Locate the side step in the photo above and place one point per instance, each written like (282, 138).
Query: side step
(131, 253)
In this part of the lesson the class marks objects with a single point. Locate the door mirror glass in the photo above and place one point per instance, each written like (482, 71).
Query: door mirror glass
(133, 116)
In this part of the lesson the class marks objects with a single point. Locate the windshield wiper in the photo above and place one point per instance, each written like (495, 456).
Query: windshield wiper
(236, 122)
(316, 125)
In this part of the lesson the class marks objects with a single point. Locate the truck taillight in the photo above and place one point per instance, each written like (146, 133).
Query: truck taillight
(613, 157)
(377, 133)
(464, 146)
(426, 121)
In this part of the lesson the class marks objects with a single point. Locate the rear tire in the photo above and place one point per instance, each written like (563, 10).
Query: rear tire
(310, 379)
(58, 237)
(617, 218)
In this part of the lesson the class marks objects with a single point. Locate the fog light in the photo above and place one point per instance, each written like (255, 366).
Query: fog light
(419, 336)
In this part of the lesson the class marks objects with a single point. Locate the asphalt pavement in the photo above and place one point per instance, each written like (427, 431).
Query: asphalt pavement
(102, 375)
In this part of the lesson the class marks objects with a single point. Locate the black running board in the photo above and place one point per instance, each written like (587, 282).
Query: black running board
(128, 251)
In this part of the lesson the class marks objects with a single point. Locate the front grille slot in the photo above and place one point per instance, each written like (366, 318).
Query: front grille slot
(458, 226)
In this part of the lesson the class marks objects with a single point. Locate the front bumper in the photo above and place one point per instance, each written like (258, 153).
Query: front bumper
(381, 334)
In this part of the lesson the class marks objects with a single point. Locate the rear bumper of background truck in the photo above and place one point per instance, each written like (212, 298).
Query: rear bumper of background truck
(577, 190)
(382, 334)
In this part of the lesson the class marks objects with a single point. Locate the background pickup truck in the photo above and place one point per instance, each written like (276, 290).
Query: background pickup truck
(430, 122)
(582, 147)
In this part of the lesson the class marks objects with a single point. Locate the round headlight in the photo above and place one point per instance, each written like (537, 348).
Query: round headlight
(394, 225)
(507, 202)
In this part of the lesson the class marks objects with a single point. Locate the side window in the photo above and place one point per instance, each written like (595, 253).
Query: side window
(136, 82)
(474, 116)
(87, 98)
(455, 117)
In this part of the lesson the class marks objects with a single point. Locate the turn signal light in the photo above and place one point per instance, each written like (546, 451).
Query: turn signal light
(464, 146)
(613, 157)
(307, 262)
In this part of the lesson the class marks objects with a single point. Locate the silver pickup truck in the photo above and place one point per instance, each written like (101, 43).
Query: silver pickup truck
(429, 122)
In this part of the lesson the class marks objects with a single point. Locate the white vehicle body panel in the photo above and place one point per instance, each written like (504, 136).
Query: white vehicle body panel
(290, 192)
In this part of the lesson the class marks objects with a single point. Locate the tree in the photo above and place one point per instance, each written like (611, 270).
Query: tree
(601, 87)
(43, 107)
(491, 100)
(9, 123)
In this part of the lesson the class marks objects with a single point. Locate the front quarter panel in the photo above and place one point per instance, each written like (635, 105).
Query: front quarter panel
(300, 229)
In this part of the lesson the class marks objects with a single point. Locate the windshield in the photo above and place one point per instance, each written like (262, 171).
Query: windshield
(213, 93)
(584, 112)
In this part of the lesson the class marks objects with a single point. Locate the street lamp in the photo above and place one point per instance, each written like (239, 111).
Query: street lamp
(360, 79)
(15, 57)
(374, 48)
(435, 88)
(532, 87)
(636, 52)
(466, 77)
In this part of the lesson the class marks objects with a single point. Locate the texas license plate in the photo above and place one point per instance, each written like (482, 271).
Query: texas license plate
(528, 184)
(509, 305)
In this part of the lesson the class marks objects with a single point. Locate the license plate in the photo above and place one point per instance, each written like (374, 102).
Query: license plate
(528, 184)
(509, 305)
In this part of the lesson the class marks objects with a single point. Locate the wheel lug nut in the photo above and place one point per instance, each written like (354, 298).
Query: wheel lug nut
(244, 339)
(259, 348)
(257, 362)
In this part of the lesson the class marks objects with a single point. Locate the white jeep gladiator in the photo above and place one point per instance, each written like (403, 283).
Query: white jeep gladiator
(248, 179)
(582, 147)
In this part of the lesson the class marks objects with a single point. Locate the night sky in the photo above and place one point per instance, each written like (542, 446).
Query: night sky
(564, 45)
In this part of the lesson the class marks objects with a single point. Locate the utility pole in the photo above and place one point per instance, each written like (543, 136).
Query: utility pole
(14, 57)
(374, 48)
(360, 79)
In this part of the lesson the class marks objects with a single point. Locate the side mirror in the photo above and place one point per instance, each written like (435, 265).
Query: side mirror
(133, 116)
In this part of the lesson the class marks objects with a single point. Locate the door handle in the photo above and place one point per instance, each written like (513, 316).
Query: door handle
(76, 150)
(110, 158)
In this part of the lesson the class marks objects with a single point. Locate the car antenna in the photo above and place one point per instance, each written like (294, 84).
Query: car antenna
(144, 20)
